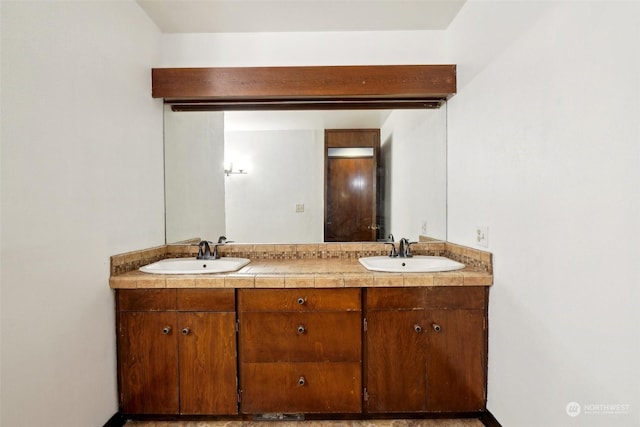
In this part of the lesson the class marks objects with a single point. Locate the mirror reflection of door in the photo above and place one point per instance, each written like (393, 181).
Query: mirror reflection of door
(351, 159)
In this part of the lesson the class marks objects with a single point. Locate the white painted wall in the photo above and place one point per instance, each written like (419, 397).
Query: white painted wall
(544, 148)
(194, 179)
(414, 151)
(285, 168)
(81, 180)
(307, 48)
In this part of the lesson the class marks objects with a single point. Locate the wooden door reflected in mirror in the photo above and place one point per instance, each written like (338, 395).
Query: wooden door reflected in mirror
(351, 198)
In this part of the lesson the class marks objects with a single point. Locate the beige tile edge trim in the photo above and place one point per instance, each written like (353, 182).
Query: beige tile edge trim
(325, 280)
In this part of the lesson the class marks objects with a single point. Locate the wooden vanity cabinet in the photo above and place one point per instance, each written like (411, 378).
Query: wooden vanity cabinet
(300, 350)
(177, 351)
(426, 349)
(317, 351)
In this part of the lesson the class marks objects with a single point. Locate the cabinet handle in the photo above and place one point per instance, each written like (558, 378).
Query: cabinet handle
(301, 301)
(436, 327)
(417, 328)
(301, 329)
(186, 331)
(301, 381)
(166, 330)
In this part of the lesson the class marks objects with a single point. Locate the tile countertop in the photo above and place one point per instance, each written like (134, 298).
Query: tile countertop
(301, 273)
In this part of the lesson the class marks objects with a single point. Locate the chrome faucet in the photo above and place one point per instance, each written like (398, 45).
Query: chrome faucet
(404, 250)
(204, 250)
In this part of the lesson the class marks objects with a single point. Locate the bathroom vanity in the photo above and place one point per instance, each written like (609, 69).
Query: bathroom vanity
(303, 336)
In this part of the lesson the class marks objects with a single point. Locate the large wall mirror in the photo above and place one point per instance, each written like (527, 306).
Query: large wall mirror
(258, 176)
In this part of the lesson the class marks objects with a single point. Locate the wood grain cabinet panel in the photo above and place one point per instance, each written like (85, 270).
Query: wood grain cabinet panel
(317, 351)
(426, 349)
(301, 387)
(177, 351)
(299, 337)
(299, 300)
(456, 360)
(146, 299)
(207, 346)
(147, 355)
(300, 350)
(396, 362)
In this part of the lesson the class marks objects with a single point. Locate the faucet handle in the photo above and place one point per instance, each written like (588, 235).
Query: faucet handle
(404, 250)
(394, 252)
(408, 253)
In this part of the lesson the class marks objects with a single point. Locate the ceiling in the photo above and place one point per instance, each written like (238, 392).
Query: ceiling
(241, 16)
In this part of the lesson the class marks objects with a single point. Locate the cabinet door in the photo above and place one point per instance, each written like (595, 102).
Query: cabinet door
(456, 360)
(148, 357)
(207, 363)
(396, 361)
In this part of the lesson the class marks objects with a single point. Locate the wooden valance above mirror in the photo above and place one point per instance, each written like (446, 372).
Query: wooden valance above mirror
(299, 88)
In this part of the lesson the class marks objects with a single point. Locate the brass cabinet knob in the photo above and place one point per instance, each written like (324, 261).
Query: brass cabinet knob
(417, 328)
(185, 331)
(301, 301)
(436, 327)
(301, 381)
(166, 330)
(301, 329)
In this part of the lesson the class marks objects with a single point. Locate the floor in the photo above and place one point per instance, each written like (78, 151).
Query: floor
(368, 423)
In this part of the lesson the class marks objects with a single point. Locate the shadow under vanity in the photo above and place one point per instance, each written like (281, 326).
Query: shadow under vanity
(303, 330)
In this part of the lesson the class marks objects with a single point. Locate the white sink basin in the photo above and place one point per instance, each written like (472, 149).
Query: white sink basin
(415, 264)
(195, 266)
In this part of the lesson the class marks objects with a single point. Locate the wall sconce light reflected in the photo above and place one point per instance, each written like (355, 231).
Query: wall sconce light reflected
(228, 170)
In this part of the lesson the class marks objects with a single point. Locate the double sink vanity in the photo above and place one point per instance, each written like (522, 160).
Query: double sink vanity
(291, 331)
(312, 330)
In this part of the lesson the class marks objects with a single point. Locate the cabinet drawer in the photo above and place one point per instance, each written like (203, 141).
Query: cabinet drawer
(176, 299)
(299, 300)
(395, 298)
(429, 297)
(456, 297)
(146, 299)
(206, 300)
(298, 337)
(301, 387)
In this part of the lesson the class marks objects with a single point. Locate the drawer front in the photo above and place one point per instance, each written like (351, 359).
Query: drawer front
(206, 300)
(472, 297)
(456, 297)
(395, 298)
(301, 387)
(146, 299)
(299, 299)
(300, 337)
